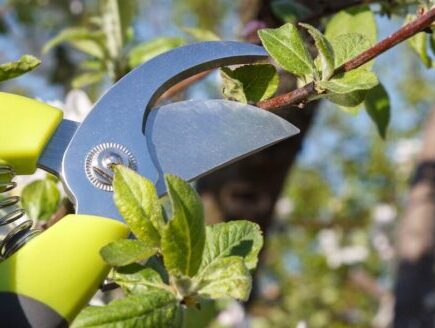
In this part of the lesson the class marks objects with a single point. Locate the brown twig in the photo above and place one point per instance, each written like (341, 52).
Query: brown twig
(301, 95)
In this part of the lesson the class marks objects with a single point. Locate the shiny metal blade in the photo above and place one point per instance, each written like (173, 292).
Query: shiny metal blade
(193, 138)
(51, 158)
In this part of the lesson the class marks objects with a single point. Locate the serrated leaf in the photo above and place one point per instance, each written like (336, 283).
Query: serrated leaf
(24, 64)
(347, 46)
(350, 81)
(135, 278)
(354, 20)
(153, 309)
(242, 238)
(126, 251)
(147, 50)
(40, 199)
(83, 39)
(201, 34)
(225, 277)
(377, 104)
(137, 201)
(86, 79)
(184, 236)
(250, 83)
(289, 11)
(326, 52)
(287, 48)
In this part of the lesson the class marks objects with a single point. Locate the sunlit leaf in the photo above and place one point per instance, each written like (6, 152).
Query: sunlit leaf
(126, 251)
(201, 34)
(225, 277)
(184, 236)
(326, 52)
(153, 309)
(147, 50)
(348, 46)
(16, 68)
(377, 104)
(250, 83)
(350, 81)
(40, 199)
(287, 48)
(137, 201)
(354, 20)
(234, 238)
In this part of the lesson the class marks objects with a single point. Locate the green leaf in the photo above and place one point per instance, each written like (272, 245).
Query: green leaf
(287, 48)
(355, 20)
(127, 11)
(126, 251)
(112, 27)
(40, 199)
(348, 101)
(201, 34)
(24, 64)
(83, 39)
(250, 83)
(326, 52)
(350, 81)
(347, 46)
(226, 277)
(86, 79)
(289, 11)
(377, 104)
(135, 278)
(153, 309)
(419, 43)
(147, 50)
(184, 236)
(242, 238)
(137, 201)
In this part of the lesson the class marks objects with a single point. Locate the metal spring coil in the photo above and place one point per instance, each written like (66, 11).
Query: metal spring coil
(23, 232)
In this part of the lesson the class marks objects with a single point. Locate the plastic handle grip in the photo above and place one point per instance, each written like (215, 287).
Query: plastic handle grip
(26, 125)
(49, 280)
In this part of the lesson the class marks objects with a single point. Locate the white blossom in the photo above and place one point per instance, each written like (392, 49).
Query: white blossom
(233, 316)
(384, 213)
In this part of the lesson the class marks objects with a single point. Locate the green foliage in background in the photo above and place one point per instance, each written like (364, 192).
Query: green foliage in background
(24, 64)
(174, 263)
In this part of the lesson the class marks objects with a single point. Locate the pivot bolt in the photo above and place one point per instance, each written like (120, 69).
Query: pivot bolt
(99, 162)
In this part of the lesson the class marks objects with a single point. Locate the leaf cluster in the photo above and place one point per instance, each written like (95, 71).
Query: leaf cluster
(172, 263)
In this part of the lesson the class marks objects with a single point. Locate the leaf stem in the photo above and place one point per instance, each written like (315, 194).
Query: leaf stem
(301, 95)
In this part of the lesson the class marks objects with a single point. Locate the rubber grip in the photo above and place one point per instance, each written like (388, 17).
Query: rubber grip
(61, 268)
(26, 125)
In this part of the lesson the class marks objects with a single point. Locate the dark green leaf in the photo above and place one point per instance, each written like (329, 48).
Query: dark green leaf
(25, 64)
(289, 11)
(184, 236)
(153, 309)
(250, 83)
(234, 238)
(147, 50)
(326, 52)
(287, 48)
(377, 104)
(137, 201)
(40, 199)
(126, 251)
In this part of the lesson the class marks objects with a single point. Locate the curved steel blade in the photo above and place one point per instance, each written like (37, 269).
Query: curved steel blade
(192, 138)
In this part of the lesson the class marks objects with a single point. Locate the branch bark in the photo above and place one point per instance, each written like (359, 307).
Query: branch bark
(302, 95)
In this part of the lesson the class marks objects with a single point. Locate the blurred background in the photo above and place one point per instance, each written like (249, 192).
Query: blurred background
(349, 229)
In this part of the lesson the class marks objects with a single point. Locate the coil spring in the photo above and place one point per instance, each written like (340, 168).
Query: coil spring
(23, 232)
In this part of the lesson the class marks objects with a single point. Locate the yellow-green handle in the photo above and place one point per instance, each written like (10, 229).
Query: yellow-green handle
(26, 125)
(49, 280)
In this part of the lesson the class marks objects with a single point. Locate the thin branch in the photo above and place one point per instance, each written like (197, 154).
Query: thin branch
(300, 96)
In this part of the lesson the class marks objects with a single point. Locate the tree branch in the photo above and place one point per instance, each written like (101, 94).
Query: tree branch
(300, 96)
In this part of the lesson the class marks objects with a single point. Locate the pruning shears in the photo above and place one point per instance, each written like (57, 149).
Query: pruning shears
(46, 282)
